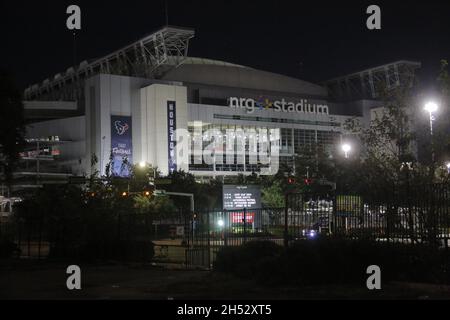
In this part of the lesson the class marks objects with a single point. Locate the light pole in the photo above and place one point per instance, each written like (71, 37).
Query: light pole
(144, 165)
(431, 108)
(346, 148)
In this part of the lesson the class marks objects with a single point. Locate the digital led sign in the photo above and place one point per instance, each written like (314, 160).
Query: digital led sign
(241, 197)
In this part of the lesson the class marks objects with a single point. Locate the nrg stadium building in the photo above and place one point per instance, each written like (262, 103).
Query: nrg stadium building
(128, 103)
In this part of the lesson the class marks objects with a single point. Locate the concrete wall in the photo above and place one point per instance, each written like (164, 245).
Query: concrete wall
(152, 143)
(146, 103)
(108, 95)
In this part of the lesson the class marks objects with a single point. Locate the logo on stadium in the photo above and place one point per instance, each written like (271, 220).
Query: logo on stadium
(263, 104)
(283, 105)
(121, 128)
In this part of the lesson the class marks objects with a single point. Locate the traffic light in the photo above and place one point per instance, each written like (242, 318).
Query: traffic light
(124, 194)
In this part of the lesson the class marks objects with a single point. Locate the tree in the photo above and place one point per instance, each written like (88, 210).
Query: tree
(444, 86)
(157, 207)
(12, 130)
(272, 196)
(390, 168)
(207, 196)
(388, 145)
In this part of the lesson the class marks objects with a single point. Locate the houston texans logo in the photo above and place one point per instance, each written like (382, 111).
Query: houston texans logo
(263, 103)
(121, 128)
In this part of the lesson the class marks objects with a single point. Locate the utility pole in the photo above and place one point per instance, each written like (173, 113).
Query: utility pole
(166, 2)
(74, 48)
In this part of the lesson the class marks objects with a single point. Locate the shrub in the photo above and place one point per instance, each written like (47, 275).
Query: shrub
(333, 261)
(244, 260)
(7, 248)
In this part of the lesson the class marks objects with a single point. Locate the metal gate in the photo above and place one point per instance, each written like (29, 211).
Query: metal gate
(210, 231)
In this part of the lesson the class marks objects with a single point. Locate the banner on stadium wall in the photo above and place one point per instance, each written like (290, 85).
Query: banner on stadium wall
(121, 145)
(171, 138)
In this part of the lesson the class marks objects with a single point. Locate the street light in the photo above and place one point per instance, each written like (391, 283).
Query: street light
(346, 148)
(431, 107)
(448, 166)
(142, 164)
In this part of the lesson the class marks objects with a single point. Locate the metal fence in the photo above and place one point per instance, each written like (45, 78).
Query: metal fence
(40, 237)
(406, 214)
(419, 214)
(209, 231)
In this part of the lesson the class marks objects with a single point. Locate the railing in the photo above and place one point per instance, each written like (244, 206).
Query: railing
(408, 214)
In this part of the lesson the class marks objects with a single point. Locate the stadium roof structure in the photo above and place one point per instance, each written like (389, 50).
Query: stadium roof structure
(365, 84)
(149, 57)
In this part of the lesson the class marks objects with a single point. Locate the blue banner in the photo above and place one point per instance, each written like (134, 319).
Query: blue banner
(121, 145)
(171, 138)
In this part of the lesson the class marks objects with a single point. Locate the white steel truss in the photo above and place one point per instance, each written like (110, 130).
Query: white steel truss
(149, 57)
(365, 84)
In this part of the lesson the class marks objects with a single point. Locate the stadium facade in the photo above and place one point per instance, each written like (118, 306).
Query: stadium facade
(128, 103)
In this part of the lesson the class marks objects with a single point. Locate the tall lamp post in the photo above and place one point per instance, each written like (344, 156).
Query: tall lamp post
(346, 148)
(431, 108)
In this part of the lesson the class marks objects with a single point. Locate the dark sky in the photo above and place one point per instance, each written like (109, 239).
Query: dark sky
(313, 40)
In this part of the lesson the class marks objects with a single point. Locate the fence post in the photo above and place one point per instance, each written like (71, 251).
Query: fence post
(119, 221)
(333, 218)
(40, 237)
(209, 240)
(245, 225)
(286, 233)
(447, 254)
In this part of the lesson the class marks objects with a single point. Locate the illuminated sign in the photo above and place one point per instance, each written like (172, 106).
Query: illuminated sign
(171, 136)
(241, 197)
(348, 205)
(303, 106)
(238, 217)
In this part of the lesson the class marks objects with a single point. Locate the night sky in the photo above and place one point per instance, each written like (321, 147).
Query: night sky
(312, 40)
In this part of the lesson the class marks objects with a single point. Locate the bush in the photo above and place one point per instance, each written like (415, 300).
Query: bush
(245, 260)
(333, 261)
(7, 248)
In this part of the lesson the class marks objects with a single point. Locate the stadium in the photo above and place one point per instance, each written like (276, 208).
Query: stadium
(129, 102)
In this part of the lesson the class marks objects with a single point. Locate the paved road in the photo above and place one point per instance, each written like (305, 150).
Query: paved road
(32, 280)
